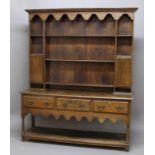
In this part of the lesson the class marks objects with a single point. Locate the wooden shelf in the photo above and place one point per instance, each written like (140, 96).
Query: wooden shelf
(39, 54)
(79, 36)
(124, 57)
(36, 35)
(124, 35)
(86, 85)
(86, 36)
(92, 138)
(95, 61)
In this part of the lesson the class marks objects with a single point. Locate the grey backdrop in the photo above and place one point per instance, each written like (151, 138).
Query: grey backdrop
(19, 79)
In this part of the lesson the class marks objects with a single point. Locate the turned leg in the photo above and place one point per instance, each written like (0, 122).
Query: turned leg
(33, 121)
(23, 128)
(128, 137)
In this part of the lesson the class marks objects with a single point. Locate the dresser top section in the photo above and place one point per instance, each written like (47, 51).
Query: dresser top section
(82, 10)
(78, 94)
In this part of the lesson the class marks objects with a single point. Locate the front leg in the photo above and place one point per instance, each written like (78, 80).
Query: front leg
(33, 121)
(23, 128)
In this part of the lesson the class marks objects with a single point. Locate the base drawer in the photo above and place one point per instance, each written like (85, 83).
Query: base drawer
(111, 106)
(73, 104)
(38, 102)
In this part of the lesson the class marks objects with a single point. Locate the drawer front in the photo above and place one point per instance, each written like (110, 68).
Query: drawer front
(38, 102)
(73, 104)
(111, 106)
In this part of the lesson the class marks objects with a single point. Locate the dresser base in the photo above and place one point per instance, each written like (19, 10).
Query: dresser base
(89, 138)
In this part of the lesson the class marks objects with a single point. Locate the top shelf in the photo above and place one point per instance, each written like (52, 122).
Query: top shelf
(80, 35)
(129, 9)
(79, 27)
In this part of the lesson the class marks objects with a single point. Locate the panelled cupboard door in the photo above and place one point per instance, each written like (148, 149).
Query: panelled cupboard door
(123, 72)
(36, 69)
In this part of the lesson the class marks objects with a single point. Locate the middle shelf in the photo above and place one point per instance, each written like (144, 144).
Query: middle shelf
(68, 60)
(80, 73)
(90, 48)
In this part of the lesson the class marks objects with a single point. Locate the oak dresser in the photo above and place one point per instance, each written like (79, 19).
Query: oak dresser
(80, 66)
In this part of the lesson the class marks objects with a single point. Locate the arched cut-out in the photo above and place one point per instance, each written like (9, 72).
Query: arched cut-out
(85, 15)
(67, 26)
(125, 25)
(108, 26)
(52, 26)
(105, 27)
(79, 26)
(36, 25)
(78, 117)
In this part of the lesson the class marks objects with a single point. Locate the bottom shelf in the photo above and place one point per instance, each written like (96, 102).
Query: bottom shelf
(92, 138)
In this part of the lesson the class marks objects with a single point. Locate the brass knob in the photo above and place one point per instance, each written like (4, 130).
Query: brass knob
(100, 108)
(81, 106)
(46, 104)
(30, 103)
(64, 105)
(119, 108)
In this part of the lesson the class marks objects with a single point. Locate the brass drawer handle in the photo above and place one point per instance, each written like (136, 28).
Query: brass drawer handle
(119, 108)
(64, 105)
(100, 108)
(81, 106)
(30, 103)
(46, 104)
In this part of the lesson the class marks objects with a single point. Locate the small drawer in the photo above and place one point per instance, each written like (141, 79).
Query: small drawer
(38, 102)
(73, 104)
(111, 106)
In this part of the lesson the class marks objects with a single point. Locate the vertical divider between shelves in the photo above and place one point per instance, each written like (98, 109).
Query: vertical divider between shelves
(44, 50)
(115, 54)
(132, 44)
(29, 57)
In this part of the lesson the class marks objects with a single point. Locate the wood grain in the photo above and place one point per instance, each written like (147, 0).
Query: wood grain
(36, 69)
(111, 106)
(73, 104)
(36, 26)
(38, 102)
(123, 73)
(78, 137)
(83, 60)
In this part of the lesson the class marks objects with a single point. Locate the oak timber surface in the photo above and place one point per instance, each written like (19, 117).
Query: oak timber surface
(82, 9)
(77, 137)
(85, 59)
(83, 94)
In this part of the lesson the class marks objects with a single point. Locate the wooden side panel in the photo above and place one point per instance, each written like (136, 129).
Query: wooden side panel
(123, 73)
(36, 69)
(124, 46)
(36, 45)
